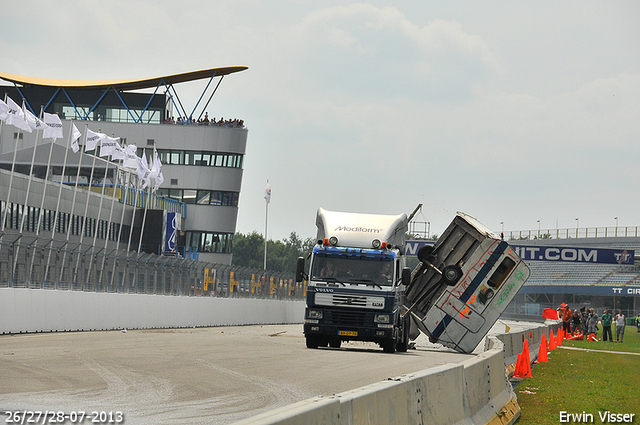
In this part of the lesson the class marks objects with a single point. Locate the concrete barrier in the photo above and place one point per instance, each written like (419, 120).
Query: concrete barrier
(41, 310)
(476, 391)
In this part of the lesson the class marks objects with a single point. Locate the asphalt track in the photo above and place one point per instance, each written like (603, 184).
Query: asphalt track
(196, 376)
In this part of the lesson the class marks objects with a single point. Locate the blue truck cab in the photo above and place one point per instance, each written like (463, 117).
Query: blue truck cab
(356, 282)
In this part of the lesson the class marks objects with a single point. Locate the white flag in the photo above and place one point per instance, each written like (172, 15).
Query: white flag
(155, 165)
(130, 160)
(267, 193)
(4, 111)
(143, 170)
(76, 135)
(54, 127)
(92, 140)
(159, 180)
(15, 116)
(118, 152)
(33, 122)
(108, 145)
(156, 173)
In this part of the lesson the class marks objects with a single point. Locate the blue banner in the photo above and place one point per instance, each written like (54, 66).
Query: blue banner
(553, 253)
(412, 247)
(171, 231)
(627, 291)
(575, 255)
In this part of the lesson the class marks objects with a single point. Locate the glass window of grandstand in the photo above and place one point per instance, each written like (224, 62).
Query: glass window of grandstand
(77, 113)
(202, 159)
(112, 114)
(201, 197)
(175, 194)
(189, 196)
(209, 242)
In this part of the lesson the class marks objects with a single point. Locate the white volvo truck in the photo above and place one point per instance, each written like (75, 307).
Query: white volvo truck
(356, 281)
(359, 288)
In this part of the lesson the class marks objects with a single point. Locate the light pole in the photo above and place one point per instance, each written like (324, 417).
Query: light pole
(616, 218)
(538, 229)
(577, 225)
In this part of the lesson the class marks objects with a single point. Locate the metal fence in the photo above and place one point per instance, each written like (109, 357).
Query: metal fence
(582, 232)
(95, 270)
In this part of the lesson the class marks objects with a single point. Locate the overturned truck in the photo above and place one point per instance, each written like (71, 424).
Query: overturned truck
(463, 284)
(360, 289)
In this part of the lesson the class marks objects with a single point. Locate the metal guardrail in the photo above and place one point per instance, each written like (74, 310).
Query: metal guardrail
(96, 270)
(586, 232)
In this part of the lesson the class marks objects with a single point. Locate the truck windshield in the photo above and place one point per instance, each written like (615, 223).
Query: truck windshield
(353, 269)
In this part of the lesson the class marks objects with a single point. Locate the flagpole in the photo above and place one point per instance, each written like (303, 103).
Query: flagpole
(57, 213)
(86, 210)
(26, 198)
(146, 205)
(133, 219)
(6, 205)
(267, 198)
(44, 193)
(2, 126)
(124, 207)
(95, 233)
(116, 175)
(73, 203)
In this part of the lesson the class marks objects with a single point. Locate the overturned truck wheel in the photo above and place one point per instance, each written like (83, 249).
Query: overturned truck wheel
(451, 274)
(424, 253)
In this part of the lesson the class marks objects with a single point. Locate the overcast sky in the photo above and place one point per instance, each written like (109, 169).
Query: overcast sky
(509, 111)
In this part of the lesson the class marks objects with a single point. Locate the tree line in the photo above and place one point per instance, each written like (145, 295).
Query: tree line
(248, 251)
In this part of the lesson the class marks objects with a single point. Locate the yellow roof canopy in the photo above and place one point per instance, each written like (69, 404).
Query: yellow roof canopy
(122, 85)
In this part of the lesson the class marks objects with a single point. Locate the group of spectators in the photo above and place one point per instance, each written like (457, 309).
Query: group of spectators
(586, 321)
(235, 123)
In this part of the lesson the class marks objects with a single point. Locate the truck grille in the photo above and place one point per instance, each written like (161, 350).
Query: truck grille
(351, 318)
(349, 300)
(340, 299)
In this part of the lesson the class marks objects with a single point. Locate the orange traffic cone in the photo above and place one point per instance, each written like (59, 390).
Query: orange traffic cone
(559, 337)
(593, 337)
(542, 352)
(552, 342)
(523, 368)
(527, 359)
(518, 372)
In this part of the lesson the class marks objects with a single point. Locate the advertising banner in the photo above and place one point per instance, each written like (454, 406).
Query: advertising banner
(623, 257)
(575, 255)
(171, 231)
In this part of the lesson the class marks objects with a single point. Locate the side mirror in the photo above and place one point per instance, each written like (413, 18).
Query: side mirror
(406, 276)
(300, 269)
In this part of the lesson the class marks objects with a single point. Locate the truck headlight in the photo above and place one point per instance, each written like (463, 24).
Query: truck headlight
(315, 314)
(381, 318)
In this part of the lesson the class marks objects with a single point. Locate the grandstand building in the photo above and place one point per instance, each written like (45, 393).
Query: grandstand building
(598, 271)
(202, 165)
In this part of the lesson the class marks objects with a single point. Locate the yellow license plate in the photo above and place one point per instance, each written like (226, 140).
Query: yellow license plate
(347, 333)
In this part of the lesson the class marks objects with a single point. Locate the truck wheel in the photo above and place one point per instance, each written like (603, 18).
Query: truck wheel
(451, 274)
(312, 342)
(389, 346)
(335, 343)
(424, 253)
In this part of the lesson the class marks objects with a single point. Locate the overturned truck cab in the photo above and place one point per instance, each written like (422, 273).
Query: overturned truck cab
(463, 284)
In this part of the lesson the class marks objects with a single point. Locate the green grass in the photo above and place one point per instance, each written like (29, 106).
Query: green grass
(583, 381)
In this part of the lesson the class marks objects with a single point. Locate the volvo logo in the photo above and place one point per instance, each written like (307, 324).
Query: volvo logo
(324, 290)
